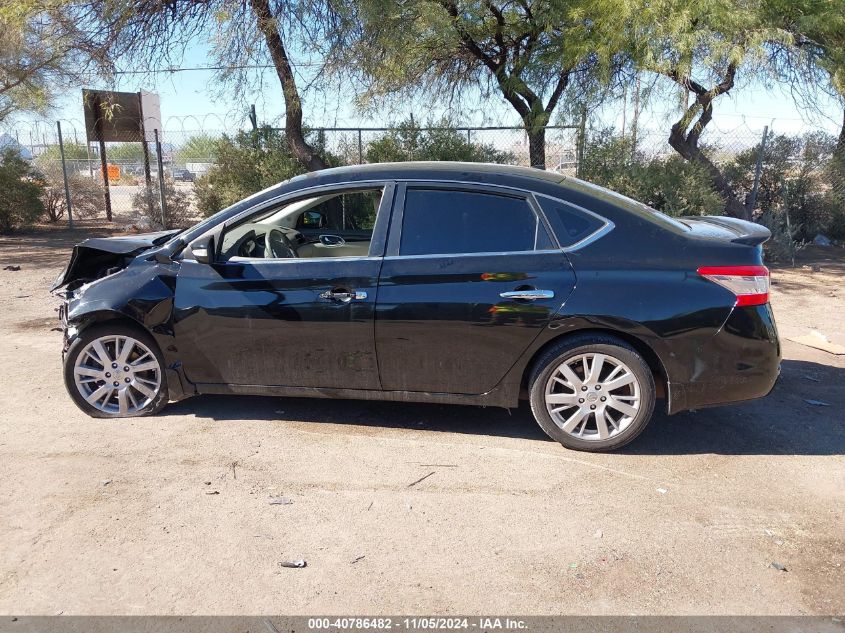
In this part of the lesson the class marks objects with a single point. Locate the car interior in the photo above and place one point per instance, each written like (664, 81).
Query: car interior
(337, 224)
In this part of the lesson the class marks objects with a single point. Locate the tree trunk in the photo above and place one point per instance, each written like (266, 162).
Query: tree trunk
(537, 147)
(299, 147)
(691, 152)
(840, 143)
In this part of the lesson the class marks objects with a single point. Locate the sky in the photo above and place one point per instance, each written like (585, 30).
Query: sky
(192, 101)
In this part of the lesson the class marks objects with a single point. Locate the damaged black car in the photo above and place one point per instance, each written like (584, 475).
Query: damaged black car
(429, 282)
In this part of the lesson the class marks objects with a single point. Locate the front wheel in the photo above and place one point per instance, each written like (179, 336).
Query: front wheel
(592, 393)
(115, 371)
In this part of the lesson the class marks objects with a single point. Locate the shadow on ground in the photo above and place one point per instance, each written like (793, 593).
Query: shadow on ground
(780, 424)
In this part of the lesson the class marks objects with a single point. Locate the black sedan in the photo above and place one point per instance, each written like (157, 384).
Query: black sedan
(429, 282)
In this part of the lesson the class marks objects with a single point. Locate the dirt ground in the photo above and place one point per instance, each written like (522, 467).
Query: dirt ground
(171, 514)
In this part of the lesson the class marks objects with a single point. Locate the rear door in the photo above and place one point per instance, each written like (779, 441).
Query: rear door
(472, 274)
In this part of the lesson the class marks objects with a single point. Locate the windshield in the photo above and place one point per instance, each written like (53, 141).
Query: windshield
(186, 235)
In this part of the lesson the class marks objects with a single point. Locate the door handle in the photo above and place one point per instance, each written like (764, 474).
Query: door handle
(344, 296)
(529, 294)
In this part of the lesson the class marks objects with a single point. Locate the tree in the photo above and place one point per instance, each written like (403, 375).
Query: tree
(46, 45)
(245, 34)
(200, 148)
(128, 151)
(528, 51)
(701, 46)
(815, 53)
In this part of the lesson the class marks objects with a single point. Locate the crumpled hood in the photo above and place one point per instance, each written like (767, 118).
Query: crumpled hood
(98, 256)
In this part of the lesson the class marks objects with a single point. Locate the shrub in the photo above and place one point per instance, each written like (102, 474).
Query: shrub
(86, 194)
(777, 166)
(20, 202)
(408, 142)
(147, 203)
(802, 176)
(832, 211)
(670, 185)
(246, 163)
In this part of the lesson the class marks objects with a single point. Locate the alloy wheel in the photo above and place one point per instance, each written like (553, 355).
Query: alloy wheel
(593, 396)
(118, 375)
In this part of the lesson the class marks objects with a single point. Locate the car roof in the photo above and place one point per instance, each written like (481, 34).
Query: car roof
(402, 169)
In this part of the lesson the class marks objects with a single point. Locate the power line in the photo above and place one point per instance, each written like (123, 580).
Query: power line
(177, 69)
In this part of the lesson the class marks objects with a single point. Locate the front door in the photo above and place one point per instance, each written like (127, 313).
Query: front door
(470, 278)
(279, 308)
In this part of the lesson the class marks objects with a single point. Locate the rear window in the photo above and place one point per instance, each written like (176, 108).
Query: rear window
(438, 221)
(629, 204)
(569, 223)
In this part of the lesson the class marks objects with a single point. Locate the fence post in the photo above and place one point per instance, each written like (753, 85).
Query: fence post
(160, 180)
(146, 150)
(64, 175)
(579, 147)
(758, 170)
(104, 167)
(253, 118)
(788, 223)
(360, 148)
(635, 123)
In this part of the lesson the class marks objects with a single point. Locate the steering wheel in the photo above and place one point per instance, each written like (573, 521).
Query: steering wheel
(278, 245)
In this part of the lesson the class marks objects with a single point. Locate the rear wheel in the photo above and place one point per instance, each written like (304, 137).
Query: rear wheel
(115, 371)
(592, 393)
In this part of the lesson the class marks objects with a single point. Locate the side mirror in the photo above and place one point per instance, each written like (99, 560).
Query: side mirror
(203, 249)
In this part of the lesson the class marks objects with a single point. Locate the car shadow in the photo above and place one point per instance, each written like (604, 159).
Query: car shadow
(515, 423)
(783, 423)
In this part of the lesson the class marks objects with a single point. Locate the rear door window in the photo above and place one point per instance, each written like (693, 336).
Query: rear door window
(442, 221)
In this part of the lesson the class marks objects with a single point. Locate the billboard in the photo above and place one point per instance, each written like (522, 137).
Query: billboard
(121, 116)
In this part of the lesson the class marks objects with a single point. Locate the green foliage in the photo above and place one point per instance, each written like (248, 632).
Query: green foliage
(197, 149)
(819, 26)
(670, 185)
(802, 176)
(407, 142)
(46, 46)
(73, 151)
(777, 165)
(147, 202)
(20, 202)
(126, 152)
(246, 163)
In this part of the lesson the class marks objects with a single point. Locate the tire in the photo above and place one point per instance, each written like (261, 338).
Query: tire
(618, 362)
(92, 379)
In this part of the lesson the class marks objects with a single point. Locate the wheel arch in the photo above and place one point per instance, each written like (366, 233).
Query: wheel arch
(98, 317)
(178, 386)
(655, 364)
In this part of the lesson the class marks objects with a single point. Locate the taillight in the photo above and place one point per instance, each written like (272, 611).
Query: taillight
(750, 284)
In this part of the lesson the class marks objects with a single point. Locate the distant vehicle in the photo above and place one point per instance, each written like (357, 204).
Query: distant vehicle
(429, 282)
(184, 175)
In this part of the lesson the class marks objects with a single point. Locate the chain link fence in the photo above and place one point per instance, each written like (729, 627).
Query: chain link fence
(792, 180)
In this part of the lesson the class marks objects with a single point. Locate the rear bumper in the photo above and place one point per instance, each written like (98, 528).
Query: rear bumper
(740, 362)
